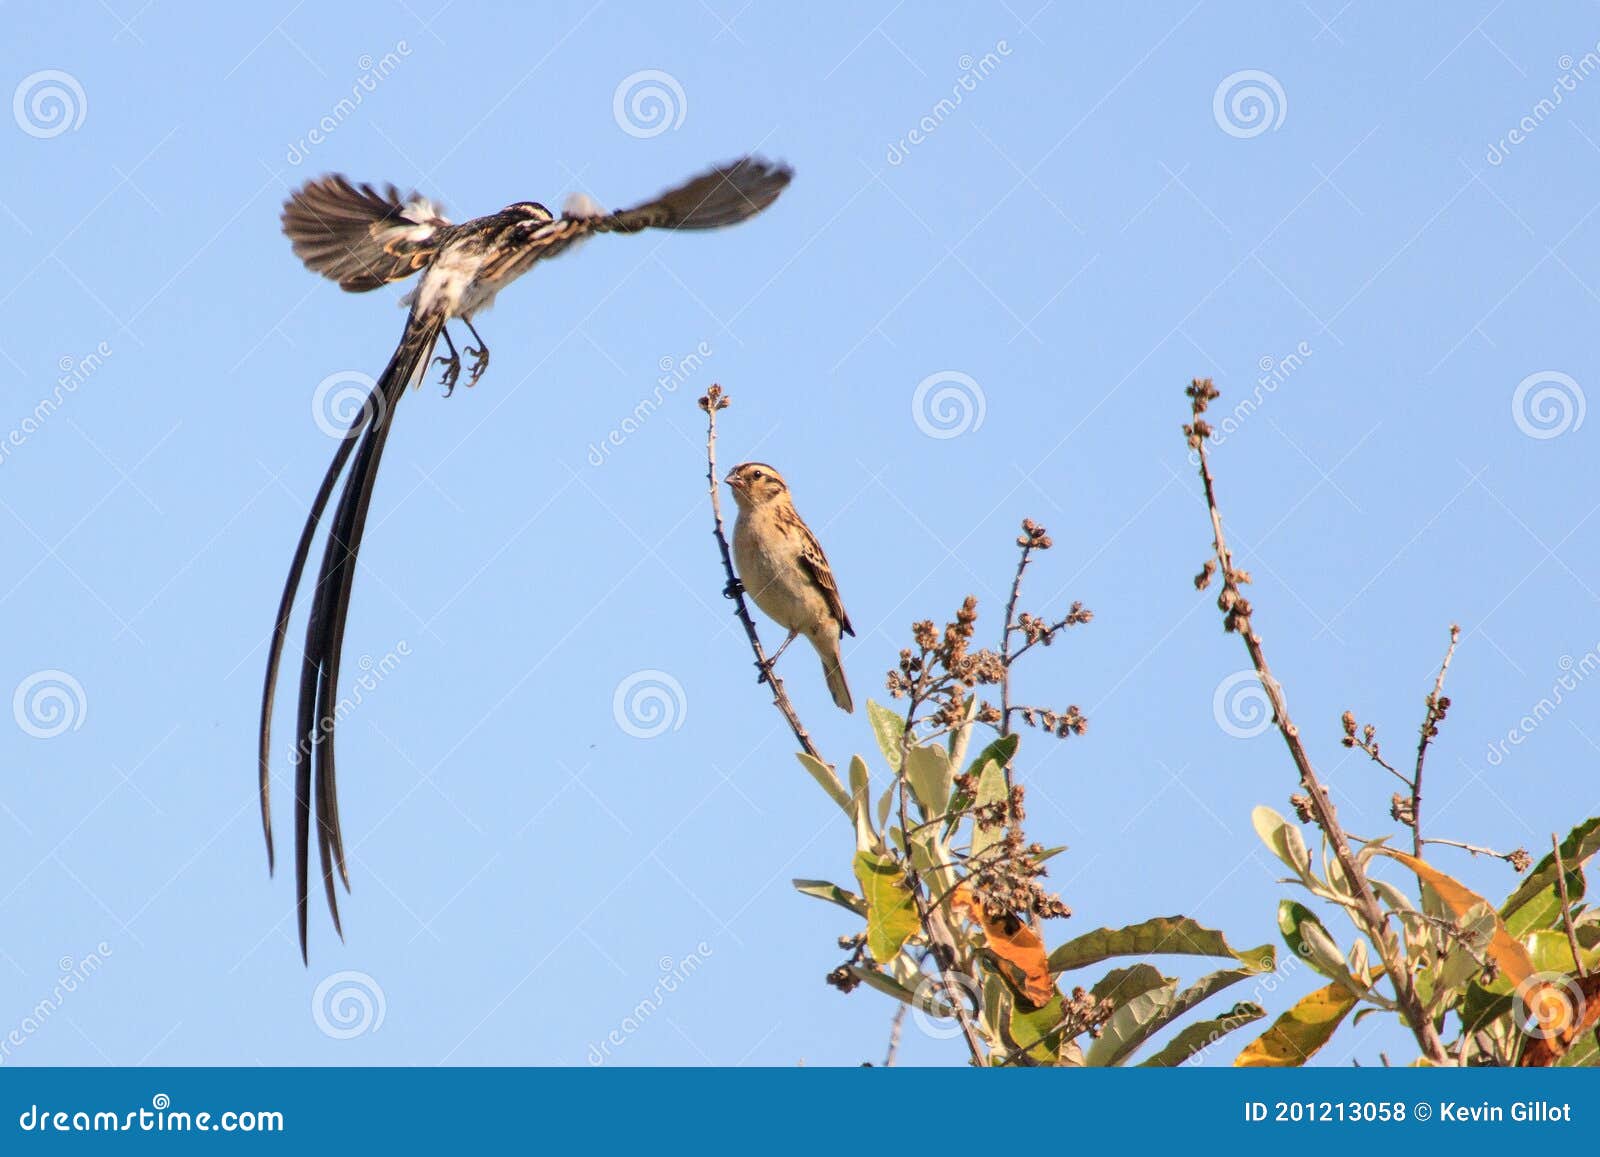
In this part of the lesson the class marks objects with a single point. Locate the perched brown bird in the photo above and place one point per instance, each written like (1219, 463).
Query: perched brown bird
(782, 566)
(363, 238)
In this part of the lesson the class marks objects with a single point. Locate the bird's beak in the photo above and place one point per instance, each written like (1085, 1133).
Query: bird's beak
(733, 482)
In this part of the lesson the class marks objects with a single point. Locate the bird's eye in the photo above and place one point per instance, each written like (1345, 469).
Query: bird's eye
(757, 474)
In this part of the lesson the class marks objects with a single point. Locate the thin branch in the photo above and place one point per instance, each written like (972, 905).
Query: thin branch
(713, 401)
(1508, 857)
(1236, 610)
(894, 1036)
(1437, 706)
(1009, 627)
(1566, 908)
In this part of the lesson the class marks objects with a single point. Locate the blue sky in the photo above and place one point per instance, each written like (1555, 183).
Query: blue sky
(1093, 224)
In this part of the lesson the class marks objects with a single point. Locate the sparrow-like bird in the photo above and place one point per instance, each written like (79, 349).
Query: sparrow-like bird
(362, 239)
(782, 567)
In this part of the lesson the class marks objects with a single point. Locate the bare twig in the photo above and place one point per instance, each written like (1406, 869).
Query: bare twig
(713, 401)
(1509, 857)
(1236, 611)
(1437, 706)
(1566, 907)
(894, 1036)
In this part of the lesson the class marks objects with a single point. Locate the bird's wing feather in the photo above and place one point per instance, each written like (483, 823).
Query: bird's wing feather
(816, 564)
(726, 195)
(359, 236)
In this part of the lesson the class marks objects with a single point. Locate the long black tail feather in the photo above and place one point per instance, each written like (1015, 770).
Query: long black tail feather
(319, 669)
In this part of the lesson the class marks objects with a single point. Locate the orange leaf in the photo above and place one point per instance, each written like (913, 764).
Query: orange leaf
(1015, 946)
(1561, 1012)
(1509, 956)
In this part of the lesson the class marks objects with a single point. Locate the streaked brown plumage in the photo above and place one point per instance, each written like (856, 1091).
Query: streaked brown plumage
(783, 569)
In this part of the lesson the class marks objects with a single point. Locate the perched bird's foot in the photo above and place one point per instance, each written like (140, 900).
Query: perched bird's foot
(452, 371)
(480, 362)
(763, 672)
(733, 590)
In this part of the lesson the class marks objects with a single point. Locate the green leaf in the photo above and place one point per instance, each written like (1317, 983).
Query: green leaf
(1312, 942)
(1036, 1032)
(889, 728)
(1296, 1035)
(991, 789)
(1537, 903)
(886, 801)
(891, 910)
(1201, 1035)
(1166, 1006)
(1132, 1024)
(866, 837)
(828, 778)
(1001, 751)
(872, 978)
(1123, 984)
(930, 774)
(823, 890)
(1283, 839)
(1162, 936)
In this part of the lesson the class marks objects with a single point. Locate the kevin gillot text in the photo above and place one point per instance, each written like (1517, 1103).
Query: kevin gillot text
(1530, 1111)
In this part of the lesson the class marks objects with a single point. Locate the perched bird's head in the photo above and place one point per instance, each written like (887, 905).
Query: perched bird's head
(756, 484)
(531, 210)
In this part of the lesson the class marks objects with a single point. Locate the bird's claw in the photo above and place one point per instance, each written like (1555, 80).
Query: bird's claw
(452, 371)
(480, 362)
(733, 589)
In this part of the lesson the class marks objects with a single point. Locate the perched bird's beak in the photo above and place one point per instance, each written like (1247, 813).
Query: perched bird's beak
(733, 482)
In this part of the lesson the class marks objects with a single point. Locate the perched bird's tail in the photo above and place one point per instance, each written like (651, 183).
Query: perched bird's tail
(833, 671)
(319, 674)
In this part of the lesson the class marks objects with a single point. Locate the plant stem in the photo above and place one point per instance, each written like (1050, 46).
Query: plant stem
(1375, 922)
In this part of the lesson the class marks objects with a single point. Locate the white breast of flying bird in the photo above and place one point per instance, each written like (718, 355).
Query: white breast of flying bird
(448, 284)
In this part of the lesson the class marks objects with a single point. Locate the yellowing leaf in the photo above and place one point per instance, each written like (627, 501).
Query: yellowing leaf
(1301, 1031)
(1508, 955)
(891, 910)
(1016, 948)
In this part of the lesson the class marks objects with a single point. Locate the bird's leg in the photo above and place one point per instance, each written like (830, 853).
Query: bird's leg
(772, 659)
(733, 590)
(452, 364)
(480, 355)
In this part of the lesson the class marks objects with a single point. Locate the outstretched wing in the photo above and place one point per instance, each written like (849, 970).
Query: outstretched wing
(359, 237)
(726, 195)
(816, 564)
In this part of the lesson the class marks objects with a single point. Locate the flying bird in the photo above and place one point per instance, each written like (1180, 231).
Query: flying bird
(363, 238)
(782, 566)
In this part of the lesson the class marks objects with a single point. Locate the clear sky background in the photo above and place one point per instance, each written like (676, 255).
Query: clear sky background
(1083, 234)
